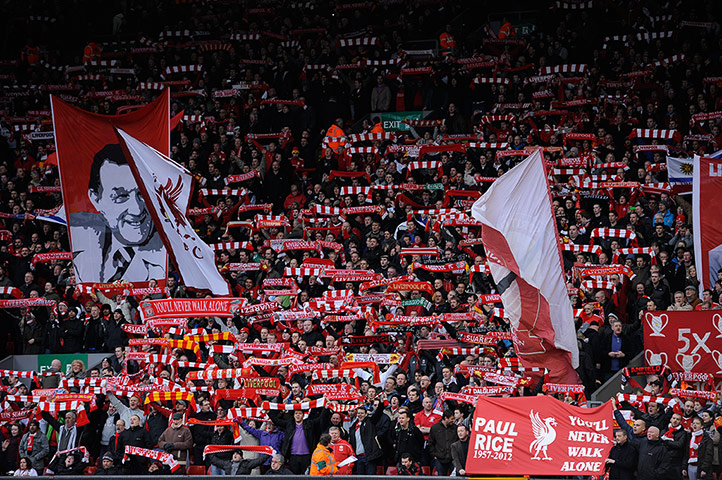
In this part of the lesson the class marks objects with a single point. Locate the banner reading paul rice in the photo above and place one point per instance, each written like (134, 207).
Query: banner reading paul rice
(538, 436)
(112, 235)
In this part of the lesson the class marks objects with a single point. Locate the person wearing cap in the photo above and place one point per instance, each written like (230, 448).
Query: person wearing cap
(177, 438)
(107, 466)
(690, 292)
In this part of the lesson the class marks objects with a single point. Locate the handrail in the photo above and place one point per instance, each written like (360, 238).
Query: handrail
(610, 388)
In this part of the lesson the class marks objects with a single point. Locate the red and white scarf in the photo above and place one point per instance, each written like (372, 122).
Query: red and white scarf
(162, 457)
(694, 442)
(263, 449)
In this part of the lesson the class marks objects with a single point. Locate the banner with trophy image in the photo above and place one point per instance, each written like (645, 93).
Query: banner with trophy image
(684, 341)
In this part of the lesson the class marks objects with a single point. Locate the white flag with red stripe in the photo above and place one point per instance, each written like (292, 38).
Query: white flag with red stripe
(166, 188)
(523, 253)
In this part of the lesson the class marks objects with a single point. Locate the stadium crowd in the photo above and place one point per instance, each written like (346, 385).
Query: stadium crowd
(283, 112)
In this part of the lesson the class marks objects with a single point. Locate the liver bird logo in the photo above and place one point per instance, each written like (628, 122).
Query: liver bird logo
(544, 435)
(168, 199)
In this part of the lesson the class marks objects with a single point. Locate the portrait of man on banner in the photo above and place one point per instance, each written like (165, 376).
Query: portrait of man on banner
(112, 234)
(120, 241)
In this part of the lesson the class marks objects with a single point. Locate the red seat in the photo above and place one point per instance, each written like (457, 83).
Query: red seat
(426, 471)
(47, 473)
(196, 470)
(379, 470)
(392, 471)
(90, 470)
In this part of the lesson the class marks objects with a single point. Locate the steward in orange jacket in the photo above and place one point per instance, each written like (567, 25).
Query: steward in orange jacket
(322, 460)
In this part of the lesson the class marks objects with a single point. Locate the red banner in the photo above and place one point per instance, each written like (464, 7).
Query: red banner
(191, 307)
(538, 436)
(111, 231)
(706, 188)
(684, 341)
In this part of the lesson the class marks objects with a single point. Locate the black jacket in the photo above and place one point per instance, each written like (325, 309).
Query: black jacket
(369, 437)
(156, 424)
(222, 438)
(705, 455)
(138, 437)
(678, 448)
(94, 334)
(280, 471)
(440, 440)
(625, 461)
(110, 471)
(114, 334)
(410, 441)
(606, 347)
(116, 446)
(71, 332)
(202, 434)
(243, 467)
(311, 428)
(653, 463)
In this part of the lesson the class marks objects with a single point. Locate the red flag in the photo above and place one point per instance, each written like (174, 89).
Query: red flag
(706, 190)
(538, 436)
(523, 254)
(111, 231)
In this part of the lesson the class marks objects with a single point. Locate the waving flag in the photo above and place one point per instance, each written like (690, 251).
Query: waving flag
(523, 255)
(679, 170)
(112, 236)
(707, 222)
(166, 189)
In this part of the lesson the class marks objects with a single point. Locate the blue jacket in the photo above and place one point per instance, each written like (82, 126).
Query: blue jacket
(272, 439)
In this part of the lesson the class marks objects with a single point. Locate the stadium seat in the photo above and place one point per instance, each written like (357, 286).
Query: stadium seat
(47, 473)
(392, 471)
(90, 470)
(379, 470)
(426, 470)
(196, 470)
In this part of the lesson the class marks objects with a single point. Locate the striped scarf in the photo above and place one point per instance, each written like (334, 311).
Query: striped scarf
(694, 442)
